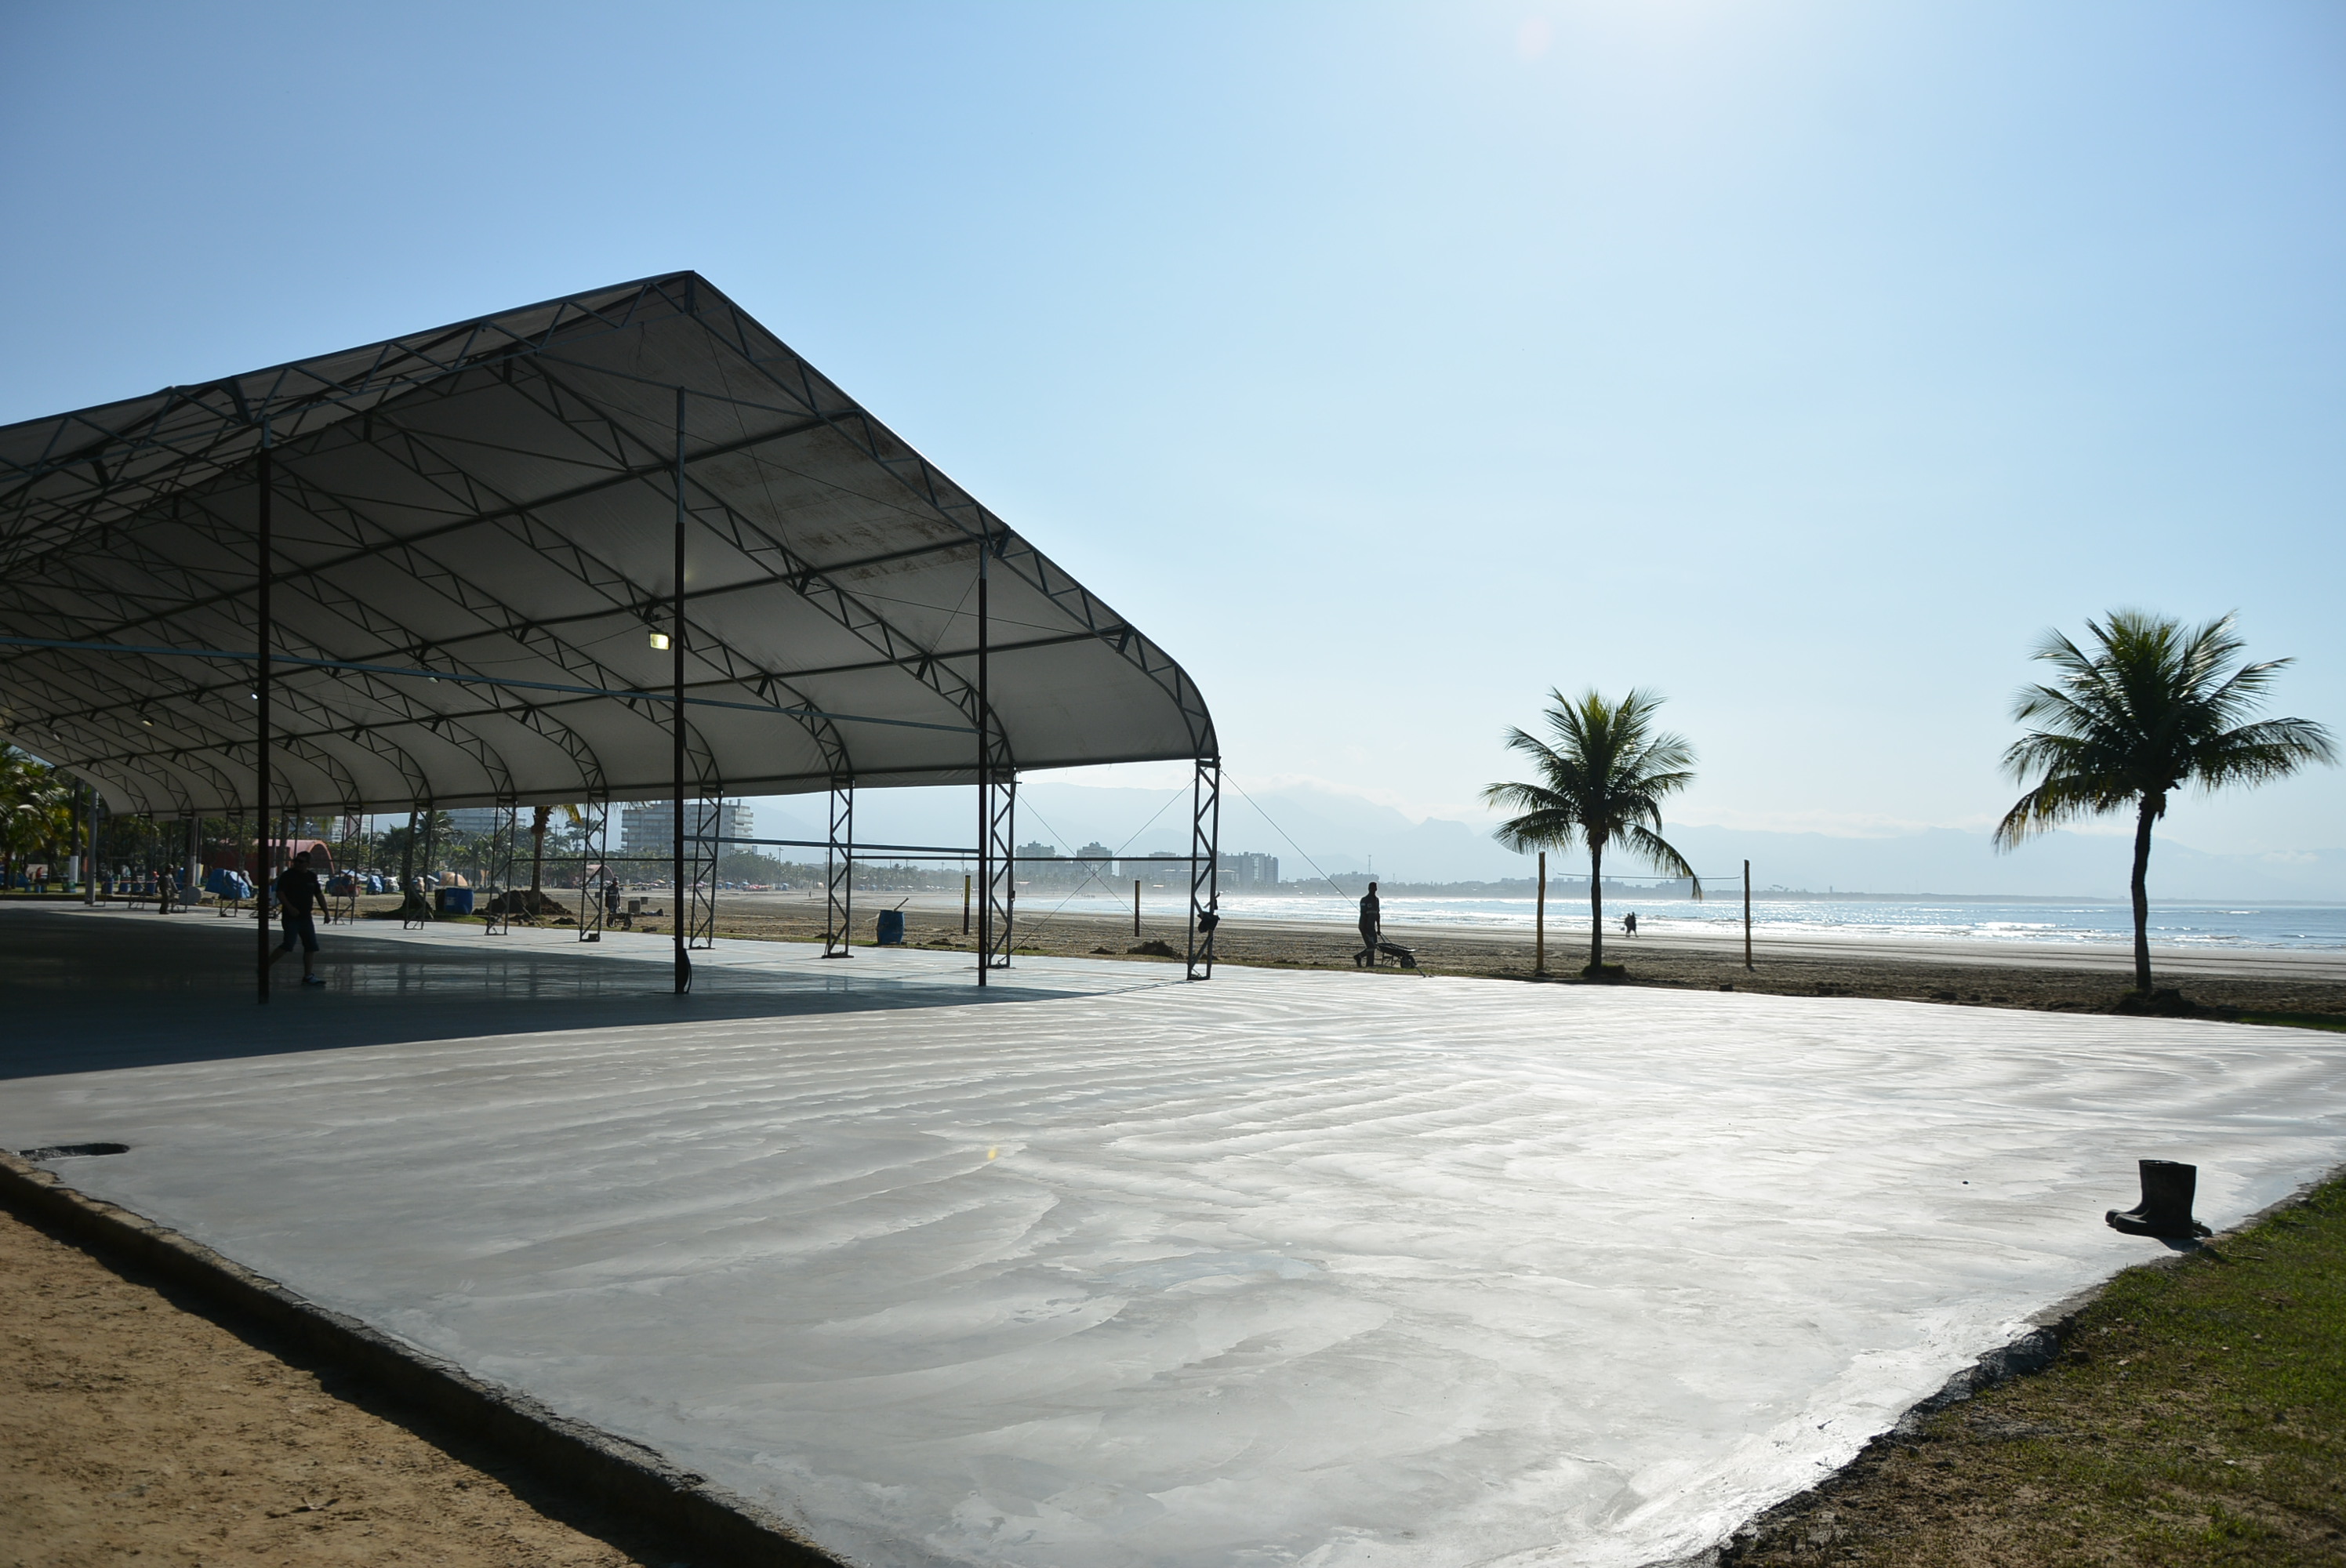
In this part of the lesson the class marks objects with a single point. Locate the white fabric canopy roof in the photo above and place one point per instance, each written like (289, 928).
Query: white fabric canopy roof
(494, 504)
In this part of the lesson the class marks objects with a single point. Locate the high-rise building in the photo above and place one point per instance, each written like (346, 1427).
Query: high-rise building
(1159, 866)
(1247, 872)
(483, 820)
(1091, 867)
(648, 827)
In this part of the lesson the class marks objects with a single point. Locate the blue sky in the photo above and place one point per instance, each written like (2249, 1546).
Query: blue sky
(1390, 365)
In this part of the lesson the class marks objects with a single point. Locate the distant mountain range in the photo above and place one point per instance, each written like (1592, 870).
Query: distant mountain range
(1312, 830)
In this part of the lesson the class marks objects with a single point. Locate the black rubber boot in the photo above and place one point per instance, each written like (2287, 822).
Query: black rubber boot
(2164, 1211)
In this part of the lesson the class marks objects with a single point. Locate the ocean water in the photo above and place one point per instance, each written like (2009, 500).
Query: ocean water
(2247, 926)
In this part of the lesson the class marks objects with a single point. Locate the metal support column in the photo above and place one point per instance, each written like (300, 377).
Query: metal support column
(90, 847)
(594, 868)
(264, 554)
(839, 874)
(984, 779)
(235, 855)
(676, 665)
(1205, 864)
(1001, 847)
(191, 885)
(699, 902)
(997, 800)
(503, 828)
(431, 849)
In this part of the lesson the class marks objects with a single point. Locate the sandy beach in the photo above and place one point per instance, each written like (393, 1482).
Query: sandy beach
(2063, 976)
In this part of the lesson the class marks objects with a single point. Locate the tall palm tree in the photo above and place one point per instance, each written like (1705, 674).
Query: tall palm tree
(1602, 781)
(2156, 705)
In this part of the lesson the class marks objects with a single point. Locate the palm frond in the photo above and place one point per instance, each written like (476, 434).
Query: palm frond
(1650, 848)
(2154, 705)
(2049, 806)
(2259, 753)
(1603, 773)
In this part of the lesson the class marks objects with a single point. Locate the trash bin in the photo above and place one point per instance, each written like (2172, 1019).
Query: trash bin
(453, 900)
(891, 927)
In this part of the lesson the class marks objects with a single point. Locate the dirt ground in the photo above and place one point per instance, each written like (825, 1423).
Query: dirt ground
(132, 1428)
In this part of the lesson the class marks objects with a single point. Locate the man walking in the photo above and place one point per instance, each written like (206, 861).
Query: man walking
(298, 897)
(1372, 923)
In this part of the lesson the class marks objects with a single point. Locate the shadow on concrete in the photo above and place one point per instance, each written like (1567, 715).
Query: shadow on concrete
(81, 994)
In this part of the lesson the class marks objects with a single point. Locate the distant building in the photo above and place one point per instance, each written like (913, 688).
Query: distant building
(1247, 872)
(648, 827)
(481, 820)
(1095, 869)
(1243, 873)
(1089, 867)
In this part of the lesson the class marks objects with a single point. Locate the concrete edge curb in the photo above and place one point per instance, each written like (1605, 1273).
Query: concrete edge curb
(2030, 1353)
(573, 1454)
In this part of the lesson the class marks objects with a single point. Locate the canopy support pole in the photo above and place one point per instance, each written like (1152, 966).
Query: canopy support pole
(997, 802)
(89, 840)
(1205, 864)
(264, 555)
(839, 873)
(984, 780)
(676, 672)
(1000, 850)
(594, 869)
(700, 910)
(497, 915)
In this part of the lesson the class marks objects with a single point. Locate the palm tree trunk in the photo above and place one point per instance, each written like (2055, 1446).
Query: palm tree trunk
(2143, 820)
(1595, 907)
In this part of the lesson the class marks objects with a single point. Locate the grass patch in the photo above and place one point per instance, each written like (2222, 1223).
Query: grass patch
(2330, 1021)
(2197, 1415)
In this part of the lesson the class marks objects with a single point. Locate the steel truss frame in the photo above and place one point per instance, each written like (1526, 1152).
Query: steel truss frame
(998, 804)
(594, 868)
(696, 901)
(1205, 865)
(505, 828)
(839, 874)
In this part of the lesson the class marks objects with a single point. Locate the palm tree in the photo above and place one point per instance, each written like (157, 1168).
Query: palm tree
(1602, 781)
(2154, 706)
(36, 810)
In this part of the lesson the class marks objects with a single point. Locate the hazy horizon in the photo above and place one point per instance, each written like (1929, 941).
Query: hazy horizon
(1313, 831)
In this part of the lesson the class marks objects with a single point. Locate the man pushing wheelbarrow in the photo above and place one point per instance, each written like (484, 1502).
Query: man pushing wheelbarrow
(1373, 935)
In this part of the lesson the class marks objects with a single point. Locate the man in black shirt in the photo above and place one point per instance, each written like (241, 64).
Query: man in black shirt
(298, 897)
(1372, 923)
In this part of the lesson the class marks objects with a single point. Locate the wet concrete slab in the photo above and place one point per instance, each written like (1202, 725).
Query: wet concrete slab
(1109, 1269)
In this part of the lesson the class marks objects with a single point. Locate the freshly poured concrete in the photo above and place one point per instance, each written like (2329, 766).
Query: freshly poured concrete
(1313, 1268)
